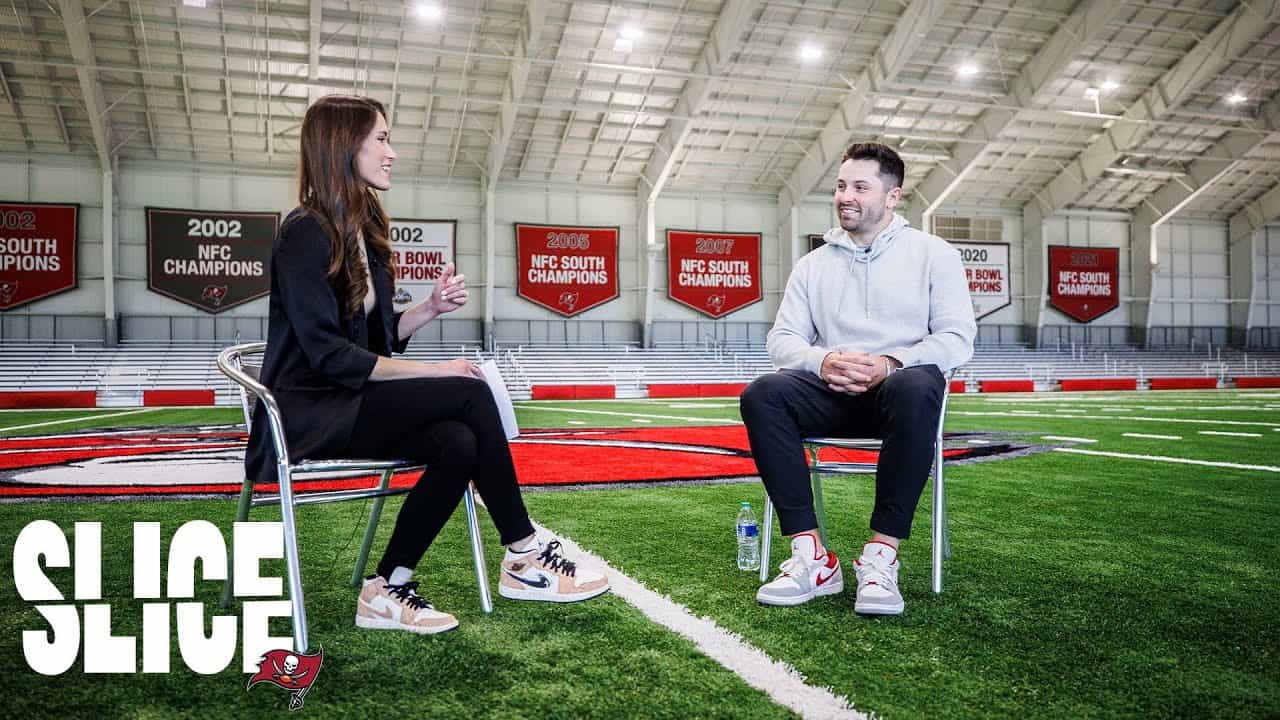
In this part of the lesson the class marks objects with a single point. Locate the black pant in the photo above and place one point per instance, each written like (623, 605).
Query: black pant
(452, 425)
(782, 408)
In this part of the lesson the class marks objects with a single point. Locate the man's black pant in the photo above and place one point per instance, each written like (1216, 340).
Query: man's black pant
(452, 425)
(783, 408)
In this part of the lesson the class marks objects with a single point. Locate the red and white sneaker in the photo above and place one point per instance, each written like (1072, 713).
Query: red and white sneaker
(877, 571)
(805, 575)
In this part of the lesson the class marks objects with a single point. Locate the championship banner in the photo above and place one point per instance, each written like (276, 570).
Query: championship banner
(421, 249)
(1084, 282)
(209, 259)
(986, 267)
(713, 273)
(567, 270)
(37, 251)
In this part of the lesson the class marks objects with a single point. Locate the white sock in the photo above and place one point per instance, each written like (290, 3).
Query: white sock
(531, 545)
(400, 575)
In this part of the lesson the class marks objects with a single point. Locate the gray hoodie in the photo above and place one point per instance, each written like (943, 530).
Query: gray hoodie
(905, 296)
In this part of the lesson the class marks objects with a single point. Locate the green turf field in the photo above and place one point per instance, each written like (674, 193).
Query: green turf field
(1120, 583)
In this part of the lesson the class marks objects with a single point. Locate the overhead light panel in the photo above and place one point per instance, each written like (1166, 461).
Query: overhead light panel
(626, 40)
(195, 3)
(810, 52)
(1109, 85)
(967, 69)
(429, 11)
(1236, 98)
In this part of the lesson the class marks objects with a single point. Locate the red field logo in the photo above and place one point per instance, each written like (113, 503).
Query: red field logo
(186, 462)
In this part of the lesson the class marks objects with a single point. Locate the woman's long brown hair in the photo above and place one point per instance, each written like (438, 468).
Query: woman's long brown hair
(330, 187)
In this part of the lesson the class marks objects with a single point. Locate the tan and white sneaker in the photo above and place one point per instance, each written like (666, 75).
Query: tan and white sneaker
(383, 606)
(878, 581)
(543, 573)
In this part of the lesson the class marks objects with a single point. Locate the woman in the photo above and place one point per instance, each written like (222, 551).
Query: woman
(328, 361)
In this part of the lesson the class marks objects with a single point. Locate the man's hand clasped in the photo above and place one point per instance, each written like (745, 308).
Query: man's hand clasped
(855, 372)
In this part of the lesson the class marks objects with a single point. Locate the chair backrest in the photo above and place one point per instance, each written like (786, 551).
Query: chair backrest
(242, 364)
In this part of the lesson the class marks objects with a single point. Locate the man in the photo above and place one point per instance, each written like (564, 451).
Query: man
(867, 326)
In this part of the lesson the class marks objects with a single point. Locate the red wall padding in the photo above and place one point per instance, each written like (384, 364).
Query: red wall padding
(692, 390)
(177, 397)
(573, 392)
(1113, 383)
(1184, 383)
(1263, 381)
(1006, 385)
(49, 399)
(957, 386)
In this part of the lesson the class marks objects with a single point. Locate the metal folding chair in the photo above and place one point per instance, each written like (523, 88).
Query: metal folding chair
(817, 468)
(231, 362)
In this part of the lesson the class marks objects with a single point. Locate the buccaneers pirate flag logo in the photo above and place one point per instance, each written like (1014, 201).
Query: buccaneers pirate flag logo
(290, 671)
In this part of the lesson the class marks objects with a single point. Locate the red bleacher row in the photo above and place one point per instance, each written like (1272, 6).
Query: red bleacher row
(204, 397)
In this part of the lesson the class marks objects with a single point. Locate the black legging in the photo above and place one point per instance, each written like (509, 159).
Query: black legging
(452, 424)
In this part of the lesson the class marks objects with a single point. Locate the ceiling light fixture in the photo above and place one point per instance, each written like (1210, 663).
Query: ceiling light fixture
(1109, 85)
(967, 69)
(429, 11)
(810, 52)
(195, 3)
(1236, 98)
(630, 32)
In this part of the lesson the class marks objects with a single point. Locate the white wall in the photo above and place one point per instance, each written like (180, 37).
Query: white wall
(1266, 273)
(1191, 281)
(1090, 230)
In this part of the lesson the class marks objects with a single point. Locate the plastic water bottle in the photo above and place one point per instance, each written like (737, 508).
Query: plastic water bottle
(748, 539)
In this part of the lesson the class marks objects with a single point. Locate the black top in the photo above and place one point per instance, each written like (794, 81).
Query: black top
(318, 358)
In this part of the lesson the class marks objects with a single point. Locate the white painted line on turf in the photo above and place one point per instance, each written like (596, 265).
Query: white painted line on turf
(1229, 434)
(1161, 458)
(718, 421)
(576, 422)
(1107, 417)
(781, 682)
(640, 420)
(77, 419)
(1153, 437)
(1067, 438)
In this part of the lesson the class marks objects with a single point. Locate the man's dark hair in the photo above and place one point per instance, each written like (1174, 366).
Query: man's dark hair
(892, 169)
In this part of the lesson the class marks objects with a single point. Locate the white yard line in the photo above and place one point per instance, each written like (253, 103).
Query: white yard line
(781, 682)
(1161, 458)
(1065, 438)
(1113, 419)
(78, 419)
(1154, 437)
(718, 421)
(1229, 434)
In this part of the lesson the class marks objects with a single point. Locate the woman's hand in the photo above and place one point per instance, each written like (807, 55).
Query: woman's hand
(460, 367)
(449, 293)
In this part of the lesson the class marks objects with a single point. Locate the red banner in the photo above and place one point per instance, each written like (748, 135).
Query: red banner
(714, 273)
(1084, 283)
(37, 251)
(567, 270)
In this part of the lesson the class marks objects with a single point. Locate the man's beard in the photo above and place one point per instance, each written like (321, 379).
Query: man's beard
(868, 218)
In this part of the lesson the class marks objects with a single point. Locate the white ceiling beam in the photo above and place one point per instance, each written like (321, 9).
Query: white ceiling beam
(724, 42)
(1234, 35)
(73, 21)
(903, 42)
(1215, 163)
(1254, 215)
(1075, 33)
(16, 110)
(527, 43)
(314, 23)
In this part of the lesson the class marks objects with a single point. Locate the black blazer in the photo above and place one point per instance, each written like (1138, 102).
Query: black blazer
(317, 360)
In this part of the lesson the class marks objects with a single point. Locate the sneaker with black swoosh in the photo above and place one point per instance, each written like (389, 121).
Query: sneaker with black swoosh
(383, 606)
(543, 573)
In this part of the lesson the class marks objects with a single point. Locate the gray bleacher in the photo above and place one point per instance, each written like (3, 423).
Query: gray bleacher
(119, 375)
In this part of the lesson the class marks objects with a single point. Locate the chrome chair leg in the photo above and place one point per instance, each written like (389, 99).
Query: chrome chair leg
(362, 560)
(766, 538)
(477, 551)
(292, 564)
(242, 514)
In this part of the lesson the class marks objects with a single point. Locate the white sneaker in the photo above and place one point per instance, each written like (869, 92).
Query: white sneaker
(543, 573)
(877, 571)
(805, 575)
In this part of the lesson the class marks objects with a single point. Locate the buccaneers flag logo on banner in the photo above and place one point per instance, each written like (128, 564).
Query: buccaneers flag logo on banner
(290, 671)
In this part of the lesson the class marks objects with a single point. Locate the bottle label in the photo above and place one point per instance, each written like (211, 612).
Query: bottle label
(745, 530)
